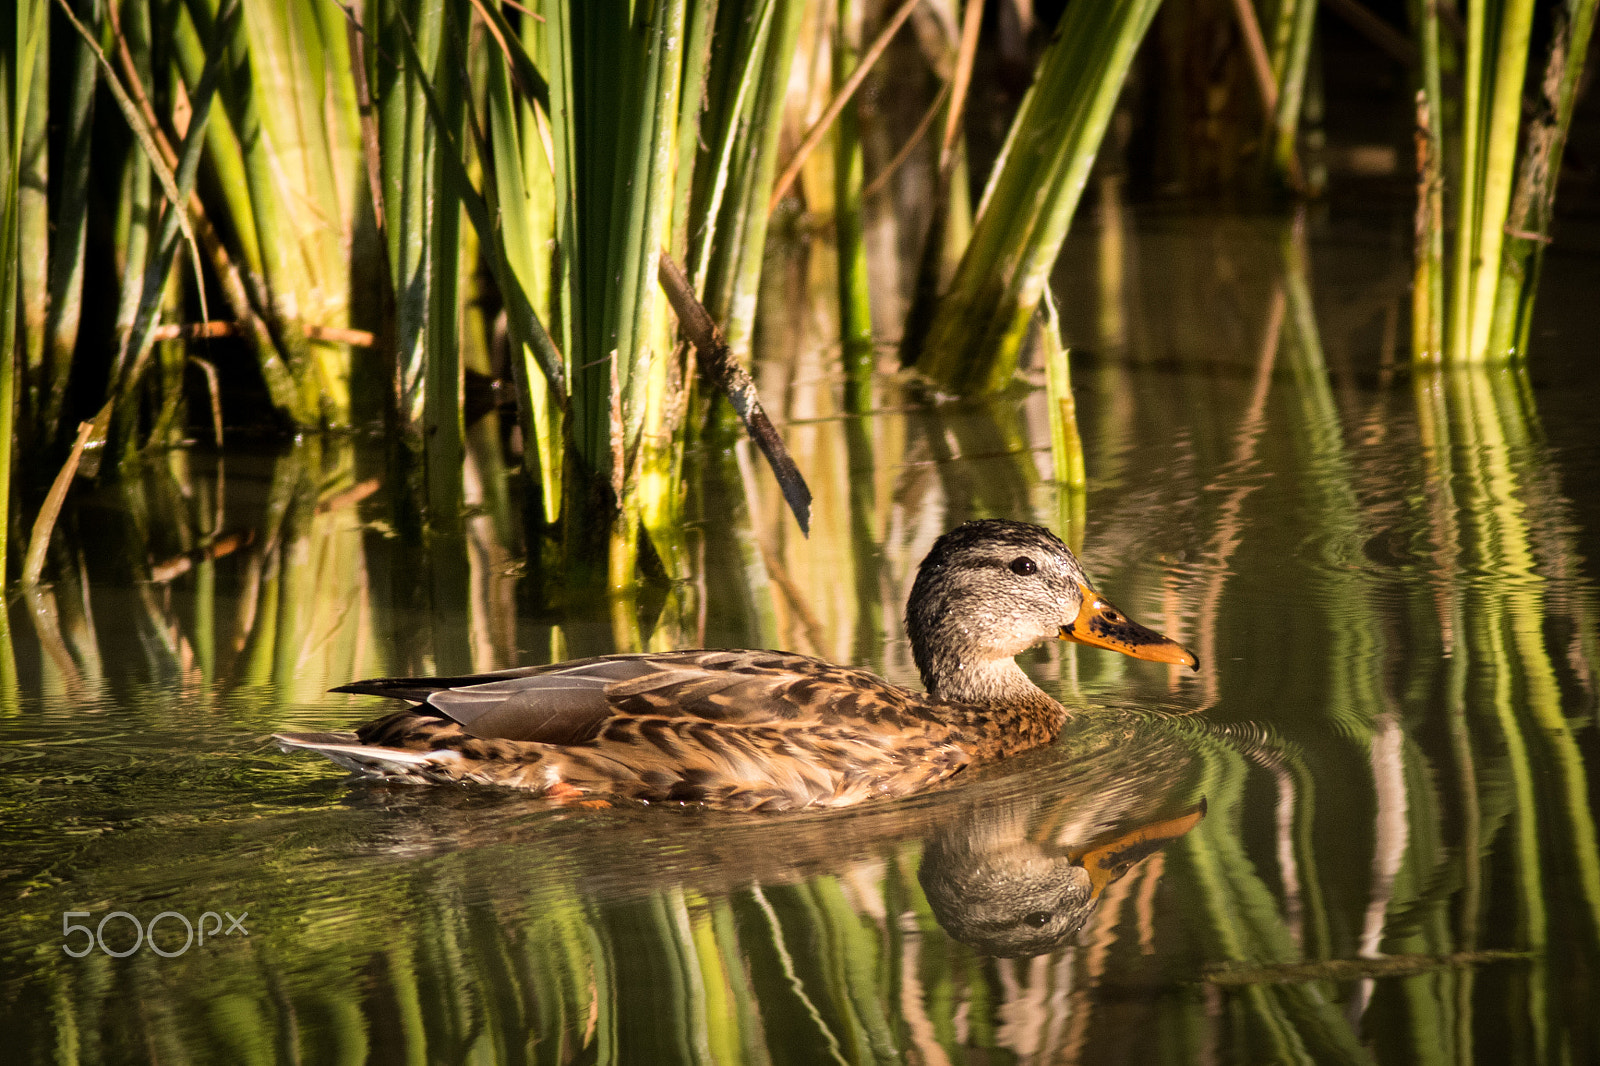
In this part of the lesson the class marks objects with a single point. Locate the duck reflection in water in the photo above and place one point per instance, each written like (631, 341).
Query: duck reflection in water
(1003, 880)
(1012, 863)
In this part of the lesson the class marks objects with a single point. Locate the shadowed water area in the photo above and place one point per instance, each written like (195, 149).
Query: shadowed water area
(1363, 831)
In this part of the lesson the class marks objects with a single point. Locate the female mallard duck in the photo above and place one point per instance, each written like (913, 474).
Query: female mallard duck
(767, 730)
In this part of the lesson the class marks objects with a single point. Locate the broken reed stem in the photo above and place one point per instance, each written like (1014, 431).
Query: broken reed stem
(717, 363)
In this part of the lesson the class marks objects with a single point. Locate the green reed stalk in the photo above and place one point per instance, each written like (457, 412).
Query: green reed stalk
(33, 226)
(281, 267)
(138, 203)
(588, 428)
(1492, 77)
(525, 194)
(733, 85)
(1428, 278)
(979, 327)
(1291, 58)
(751, 122)
(19, 55)
(154, 279)
(651, 414)
(1066, 445)
(406, 144)
(71, 230)
(855, 301)
(441, 33)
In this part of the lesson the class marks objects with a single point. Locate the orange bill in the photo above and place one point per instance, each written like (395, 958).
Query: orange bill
(1107, 859)
(1101, 625)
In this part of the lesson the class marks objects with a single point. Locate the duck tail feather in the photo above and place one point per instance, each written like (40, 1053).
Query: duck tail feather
(347, 750)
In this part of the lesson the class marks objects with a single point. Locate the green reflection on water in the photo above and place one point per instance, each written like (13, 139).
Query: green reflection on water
(1390, 733)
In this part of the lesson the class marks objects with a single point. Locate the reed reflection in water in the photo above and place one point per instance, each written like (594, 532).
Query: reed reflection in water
(1389, 733)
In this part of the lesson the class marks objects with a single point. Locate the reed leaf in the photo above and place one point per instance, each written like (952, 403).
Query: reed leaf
(750, 133)
(1487, 166)
(446, 141)
(976, 335)
(728, 101)
(525, 195)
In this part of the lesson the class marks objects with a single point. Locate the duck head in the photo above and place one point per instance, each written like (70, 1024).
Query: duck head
(992, 588)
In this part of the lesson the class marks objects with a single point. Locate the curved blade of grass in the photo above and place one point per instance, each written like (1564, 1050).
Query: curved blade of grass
(45, 522)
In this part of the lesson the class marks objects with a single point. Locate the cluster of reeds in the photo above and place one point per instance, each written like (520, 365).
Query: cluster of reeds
(380, 209)
(1494, 173)
(370, 211)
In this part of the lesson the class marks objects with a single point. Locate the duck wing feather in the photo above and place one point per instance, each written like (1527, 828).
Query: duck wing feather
(571, 703)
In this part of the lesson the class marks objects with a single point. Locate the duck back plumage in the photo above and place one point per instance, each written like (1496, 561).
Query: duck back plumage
(751, 730)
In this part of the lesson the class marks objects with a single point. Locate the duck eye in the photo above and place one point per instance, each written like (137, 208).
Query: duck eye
(1038, 919)
(1024, 566)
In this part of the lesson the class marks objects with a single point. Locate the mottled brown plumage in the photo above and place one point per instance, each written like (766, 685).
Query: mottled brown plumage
(766, 730)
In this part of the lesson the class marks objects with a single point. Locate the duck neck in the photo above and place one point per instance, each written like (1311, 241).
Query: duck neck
(997, 708)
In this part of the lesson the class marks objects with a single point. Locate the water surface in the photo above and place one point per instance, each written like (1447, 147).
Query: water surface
(1389, 579)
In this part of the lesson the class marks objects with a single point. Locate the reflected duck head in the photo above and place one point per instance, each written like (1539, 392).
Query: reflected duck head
(1012, 897)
